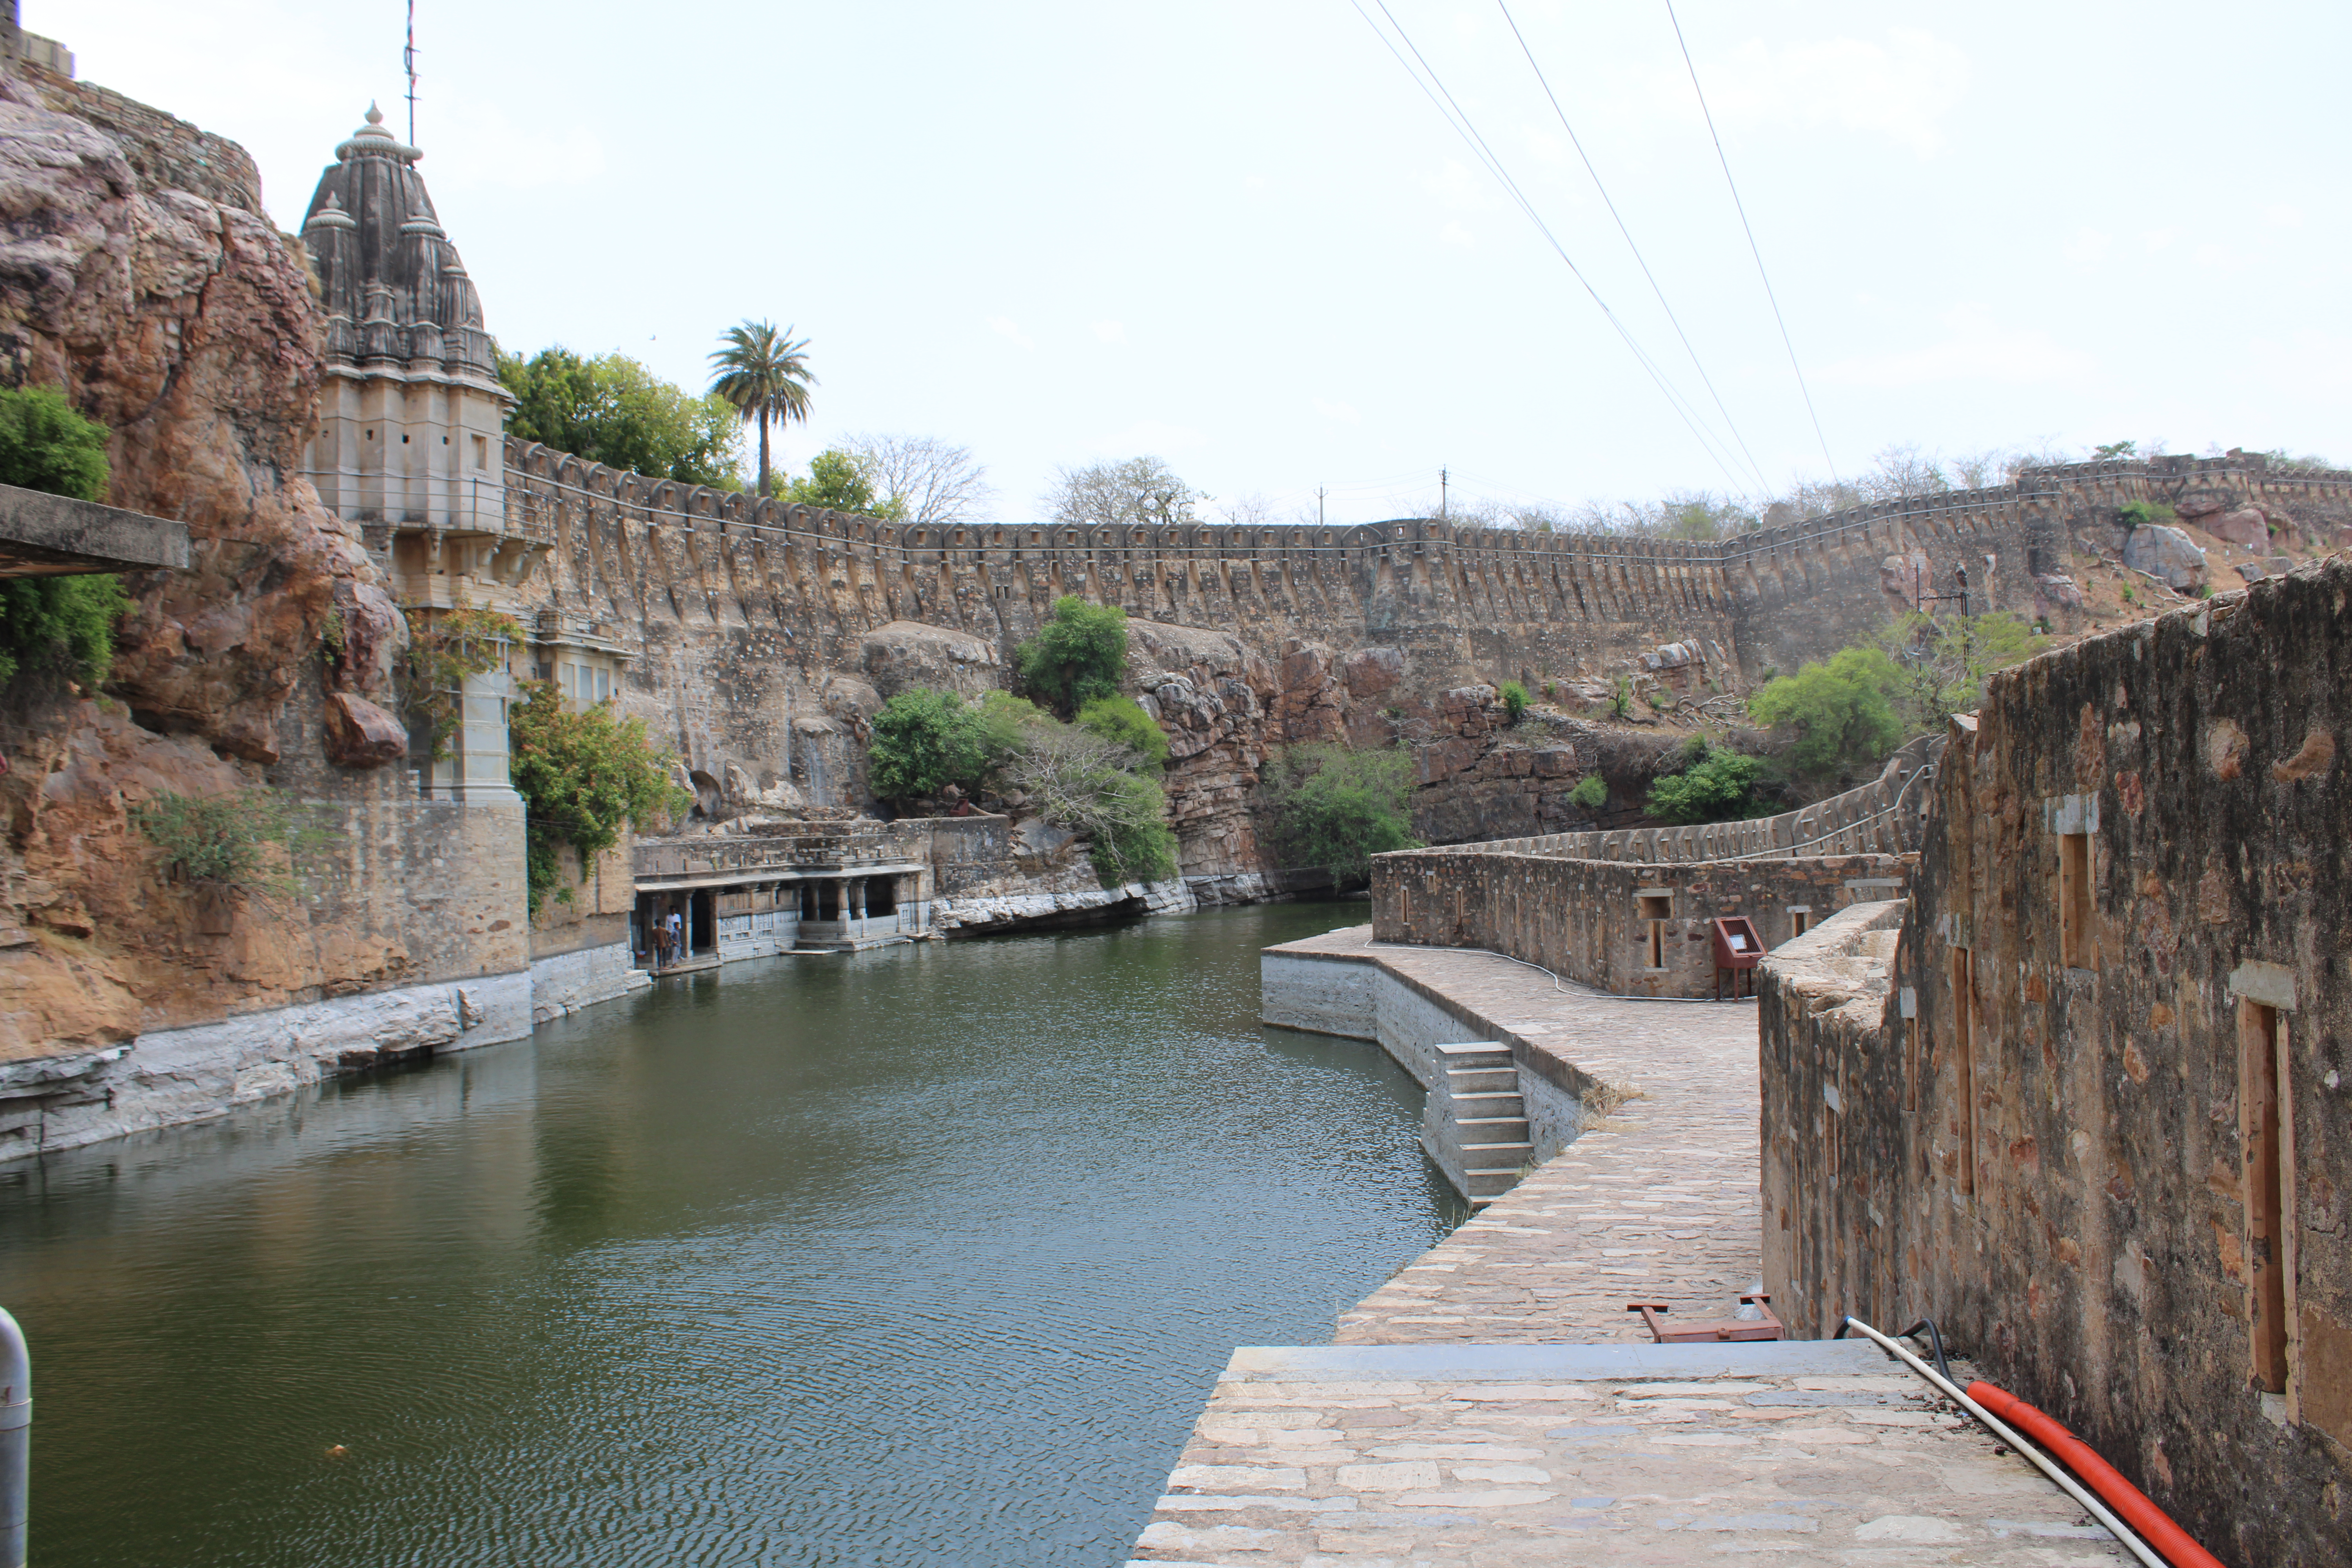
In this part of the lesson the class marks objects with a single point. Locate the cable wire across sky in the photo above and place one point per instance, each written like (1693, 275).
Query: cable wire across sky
(1433, 87)
(1705, 380)
(1753, 249)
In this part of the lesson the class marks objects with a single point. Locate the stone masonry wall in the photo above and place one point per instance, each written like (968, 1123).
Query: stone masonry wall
(1591, 920)
(2050, 1126)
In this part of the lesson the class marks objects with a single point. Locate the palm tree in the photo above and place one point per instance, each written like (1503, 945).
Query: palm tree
(763, 372)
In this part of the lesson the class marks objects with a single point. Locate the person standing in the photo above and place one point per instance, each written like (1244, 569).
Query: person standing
(676, 936)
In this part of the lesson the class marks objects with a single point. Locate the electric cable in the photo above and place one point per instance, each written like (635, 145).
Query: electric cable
(1435, 89)
(1753, 249)
(1705, 380)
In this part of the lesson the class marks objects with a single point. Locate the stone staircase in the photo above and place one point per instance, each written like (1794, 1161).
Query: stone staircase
(1474, 1124)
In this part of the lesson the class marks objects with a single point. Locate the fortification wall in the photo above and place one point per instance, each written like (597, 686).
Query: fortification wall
(762, 635)
(2094, 1119)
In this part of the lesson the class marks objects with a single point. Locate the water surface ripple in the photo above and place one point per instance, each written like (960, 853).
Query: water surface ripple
(922, 1256)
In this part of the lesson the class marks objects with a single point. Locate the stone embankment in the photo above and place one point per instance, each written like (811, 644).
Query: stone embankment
(1493, 1404)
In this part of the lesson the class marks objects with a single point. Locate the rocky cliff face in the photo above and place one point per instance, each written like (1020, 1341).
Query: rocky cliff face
(177, 316)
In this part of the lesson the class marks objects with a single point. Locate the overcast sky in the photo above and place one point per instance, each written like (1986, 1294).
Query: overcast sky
(1239, 237)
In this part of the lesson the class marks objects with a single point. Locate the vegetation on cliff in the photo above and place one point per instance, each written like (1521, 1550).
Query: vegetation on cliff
(1095, 778)
(444, 648)
(1328, 806)
(1123, 721)
(1076, 657)
(1713, 784)
(62, 624)
(224, 840)
(613, 410)
(583, 776)
(1836, 714)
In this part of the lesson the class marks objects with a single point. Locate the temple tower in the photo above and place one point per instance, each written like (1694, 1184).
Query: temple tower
(410, 441)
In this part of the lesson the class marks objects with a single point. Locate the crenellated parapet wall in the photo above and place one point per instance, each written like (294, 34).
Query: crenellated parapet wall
(747, 626)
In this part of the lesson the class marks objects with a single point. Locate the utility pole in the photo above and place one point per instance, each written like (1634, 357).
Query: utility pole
(1318, 506)
(1443, 478)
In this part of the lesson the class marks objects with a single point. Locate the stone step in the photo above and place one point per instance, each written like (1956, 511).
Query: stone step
(1474, 1054)
(1491, 1131)
(1484, 1185)
(1483, 1106)
(1483, 1080)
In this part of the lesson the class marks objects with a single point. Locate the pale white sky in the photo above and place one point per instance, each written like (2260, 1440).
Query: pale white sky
(1238, 236)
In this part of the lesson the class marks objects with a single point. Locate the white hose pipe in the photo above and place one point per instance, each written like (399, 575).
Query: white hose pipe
(1999, 1428)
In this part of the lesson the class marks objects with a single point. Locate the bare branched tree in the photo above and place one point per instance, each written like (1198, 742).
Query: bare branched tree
(1252, 510)
(1091, 786)
(931, 480)
(1138, 490)
(1904, 472)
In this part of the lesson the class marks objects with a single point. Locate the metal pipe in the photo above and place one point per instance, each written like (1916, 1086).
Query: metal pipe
(16, 1439)
(1993, 1424)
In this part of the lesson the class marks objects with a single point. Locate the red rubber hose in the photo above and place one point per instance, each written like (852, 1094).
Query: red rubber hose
(2131, 1504)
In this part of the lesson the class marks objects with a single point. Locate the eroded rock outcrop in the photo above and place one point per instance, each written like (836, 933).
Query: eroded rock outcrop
(182, 320)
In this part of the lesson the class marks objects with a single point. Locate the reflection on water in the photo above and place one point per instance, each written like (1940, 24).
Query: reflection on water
(926, 1256)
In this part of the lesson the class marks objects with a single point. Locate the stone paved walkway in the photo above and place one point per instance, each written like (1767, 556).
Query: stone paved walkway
(1492, 1456)
(1659, 1203)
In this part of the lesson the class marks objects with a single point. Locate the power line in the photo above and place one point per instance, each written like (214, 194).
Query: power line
(1752, 248)
(1705, 380)
(1459, 117)
(1435, 89)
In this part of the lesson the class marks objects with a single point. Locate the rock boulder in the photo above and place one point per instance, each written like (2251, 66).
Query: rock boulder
(2165, 552)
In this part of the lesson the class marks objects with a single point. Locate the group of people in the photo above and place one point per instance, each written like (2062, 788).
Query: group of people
(669, 939)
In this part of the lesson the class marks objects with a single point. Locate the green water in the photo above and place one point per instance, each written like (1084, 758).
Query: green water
(923, 1256)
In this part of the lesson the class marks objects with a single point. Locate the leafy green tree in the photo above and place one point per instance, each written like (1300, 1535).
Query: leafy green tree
(1940, 663)
(1328, 806)
(65, 624)
(1591, 792)
(583, 776)
(1713, 785)
(613, 410)
(1838, 712)
(924, 741)
(839, 480)
(1078, 656)
(1121, 719)
(763, 375)
(1515, 701)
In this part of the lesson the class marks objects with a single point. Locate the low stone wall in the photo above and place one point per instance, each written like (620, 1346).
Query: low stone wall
(172, 1076)
(2094, 1118)
(1639, 931)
